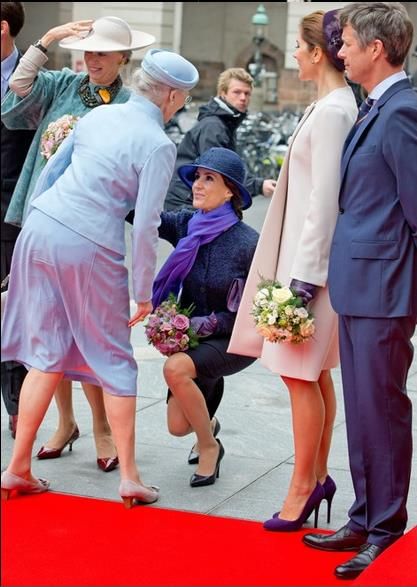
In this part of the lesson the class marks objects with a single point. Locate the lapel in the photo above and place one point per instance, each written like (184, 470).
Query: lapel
(274, 220)
(245, 339)
(350, 146)
(19, 56)
(306, 114)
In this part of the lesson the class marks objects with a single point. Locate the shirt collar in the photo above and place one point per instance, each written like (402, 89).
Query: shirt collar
(7, 68)
(389, 81)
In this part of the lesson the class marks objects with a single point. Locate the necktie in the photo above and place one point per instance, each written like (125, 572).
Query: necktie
(363, 112)
(364, 109)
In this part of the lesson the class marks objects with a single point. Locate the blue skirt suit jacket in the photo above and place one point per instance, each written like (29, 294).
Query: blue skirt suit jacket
(218, 268)
(68, 305)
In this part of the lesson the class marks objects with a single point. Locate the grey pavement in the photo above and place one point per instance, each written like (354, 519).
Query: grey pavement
(256, 432)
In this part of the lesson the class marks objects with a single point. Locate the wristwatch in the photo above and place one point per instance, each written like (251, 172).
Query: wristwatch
(39, 45)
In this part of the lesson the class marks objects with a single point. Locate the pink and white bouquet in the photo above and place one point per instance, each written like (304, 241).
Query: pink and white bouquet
(280, 315)
(55, 133)
(168, 328)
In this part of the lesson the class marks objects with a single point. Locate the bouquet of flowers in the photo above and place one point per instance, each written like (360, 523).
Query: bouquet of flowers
(280, 314)
(55, 133)
(168, 328)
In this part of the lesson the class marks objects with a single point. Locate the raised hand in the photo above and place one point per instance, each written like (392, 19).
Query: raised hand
(79, 28)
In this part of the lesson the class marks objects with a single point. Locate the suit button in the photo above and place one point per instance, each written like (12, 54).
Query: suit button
(341, 210)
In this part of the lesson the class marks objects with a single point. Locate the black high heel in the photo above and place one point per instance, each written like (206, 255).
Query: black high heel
(202, 480)
(329, 487)
(194, 456)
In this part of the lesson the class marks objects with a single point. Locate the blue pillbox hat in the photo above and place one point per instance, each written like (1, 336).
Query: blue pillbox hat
(170, 68)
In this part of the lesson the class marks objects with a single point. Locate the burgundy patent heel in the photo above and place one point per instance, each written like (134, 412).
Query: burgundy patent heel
(108, 464)
(54, 453)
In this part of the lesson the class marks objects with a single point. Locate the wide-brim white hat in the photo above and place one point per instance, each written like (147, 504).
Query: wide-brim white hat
(108, 34)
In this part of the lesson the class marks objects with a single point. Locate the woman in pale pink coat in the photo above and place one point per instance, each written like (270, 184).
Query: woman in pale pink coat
(294, 249)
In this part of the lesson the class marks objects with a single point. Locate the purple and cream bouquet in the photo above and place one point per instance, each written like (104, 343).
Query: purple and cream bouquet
(280, 315)
(168, 328)
(55, 133)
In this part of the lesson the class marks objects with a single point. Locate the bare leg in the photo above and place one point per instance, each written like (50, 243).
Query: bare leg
(101, 428)
(178, 425)
(307, 408)
(122, 413)
(66, 418)
(35, 398)
(179, 372)
(329, 399)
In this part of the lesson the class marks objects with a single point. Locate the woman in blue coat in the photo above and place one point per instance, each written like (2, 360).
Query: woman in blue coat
(67, 313)
(40, 97)
(212, 256)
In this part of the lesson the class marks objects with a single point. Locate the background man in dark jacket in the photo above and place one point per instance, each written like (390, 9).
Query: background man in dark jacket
(14, 146)
(216, 126)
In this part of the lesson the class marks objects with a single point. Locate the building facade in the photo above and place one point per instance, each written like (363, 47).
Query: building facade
(213, 35)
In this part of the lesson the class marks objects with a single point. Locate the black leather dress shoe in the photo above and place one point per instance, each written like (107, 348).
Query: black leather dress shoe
(367, 554)
(343, 539)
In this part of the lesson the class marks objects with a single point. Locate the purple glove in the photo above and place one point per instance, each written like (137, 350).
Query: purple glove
(235, 294)
(305, 290)
(204, 325)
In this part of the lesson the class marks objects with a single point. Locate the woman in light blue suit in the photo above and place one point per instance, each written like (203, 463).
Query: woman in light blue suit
(373, 281)
(40, 97)
(67, 314)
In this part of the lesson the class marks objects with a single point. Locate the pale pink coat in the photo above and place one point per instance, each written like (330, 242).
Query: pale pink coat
(296, 237)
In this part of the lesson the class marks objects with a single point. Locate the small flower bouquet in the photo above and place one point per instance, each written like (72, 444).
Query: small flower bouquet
(168, 328)
(280, 315)
(55, 133)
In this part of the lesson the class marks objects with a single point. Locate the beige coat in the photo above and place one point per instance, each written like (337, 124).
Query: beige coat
(296, 237)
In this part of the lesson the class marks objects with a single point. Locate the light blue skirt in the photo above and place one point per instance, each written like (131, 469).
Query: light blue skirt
(68, 309)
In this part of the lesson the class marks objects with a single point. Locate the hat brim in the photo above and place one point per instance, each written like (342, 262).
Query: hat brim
(98, 43)
(187, 175)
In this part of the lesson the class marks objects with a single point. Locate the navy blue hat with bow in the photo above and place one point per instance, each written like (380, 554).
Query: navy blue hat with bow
(223, 161)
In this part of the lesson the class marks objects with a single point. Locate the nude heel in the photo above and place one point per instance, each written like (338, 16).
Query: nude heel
(133, 493)
(11, 482)
(128, 502)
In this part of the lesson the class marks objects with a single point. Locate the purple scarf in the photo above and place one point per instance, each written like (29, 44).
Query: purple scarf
(202, 229)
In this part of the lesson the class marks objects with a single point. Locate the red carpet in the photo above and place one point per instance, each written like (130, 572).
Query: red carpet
(396, 566)
(53, 540)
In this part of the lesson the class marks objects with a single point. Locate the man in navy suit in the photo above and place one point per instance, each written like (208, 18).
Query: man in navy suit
(373, 281)
(14, 148)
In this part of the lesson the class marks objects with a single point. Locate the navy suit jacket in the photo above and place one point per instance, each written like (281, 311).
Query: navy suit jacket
(373, 259)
